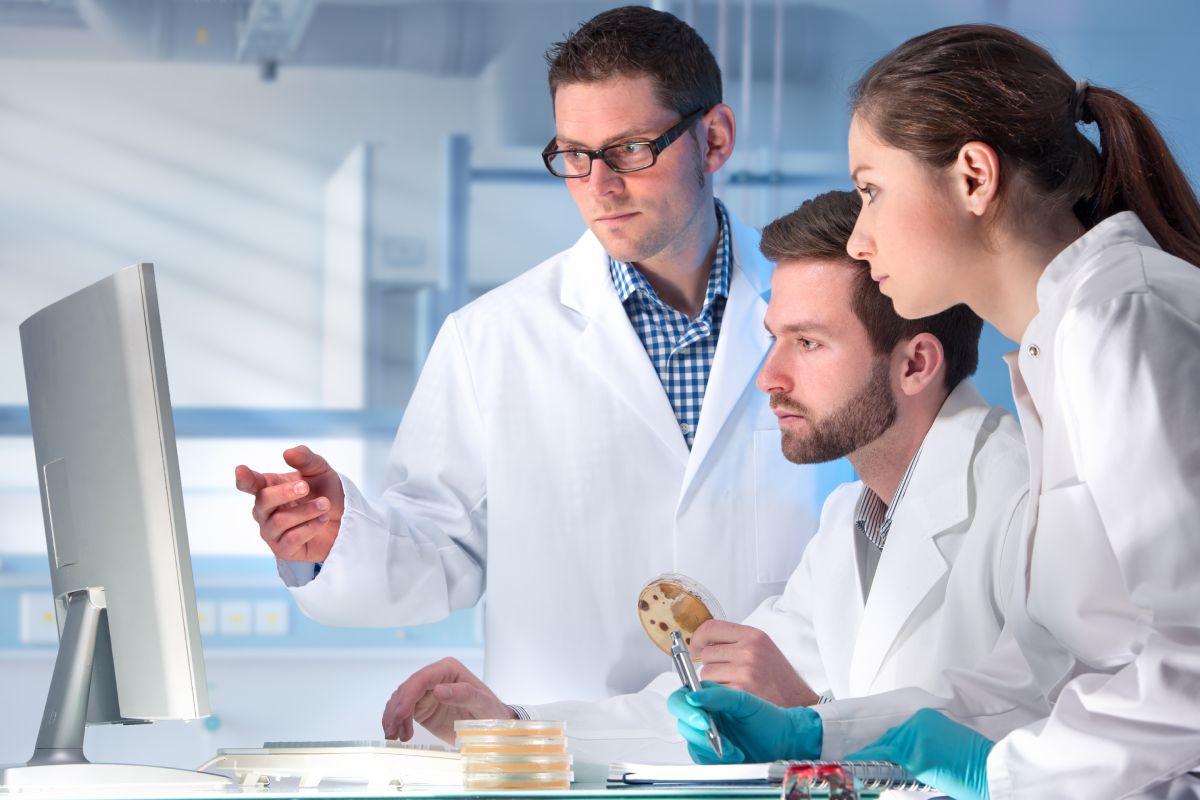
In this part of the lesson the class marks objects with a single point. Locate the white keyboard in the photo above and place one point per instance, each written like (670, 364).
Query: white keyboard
(379, 764)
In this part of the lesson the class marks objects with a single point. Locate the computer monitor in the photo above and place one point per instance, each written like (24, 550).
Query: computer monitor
(120, 568)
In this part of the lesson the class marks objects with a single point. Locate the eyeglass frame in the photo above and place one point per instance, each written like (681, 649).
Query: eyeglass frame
(676, 131)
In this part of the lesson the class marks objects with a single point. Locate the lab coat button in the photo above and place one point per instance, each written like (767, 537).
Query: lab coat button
(685, 428)
(1034, 350)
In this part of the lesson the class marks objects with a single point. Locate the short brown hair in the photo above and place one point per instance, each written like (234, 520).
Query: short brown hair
(818, 231)
(635, 40)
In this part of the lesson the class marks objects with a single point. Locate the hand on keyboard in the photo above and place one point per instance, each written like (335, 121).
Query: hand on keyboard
(437, 695)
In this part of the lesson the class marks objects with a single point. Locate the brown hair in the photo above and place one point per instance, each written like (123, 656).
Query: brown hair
(818, 231)
(635, 40)
(938, 91)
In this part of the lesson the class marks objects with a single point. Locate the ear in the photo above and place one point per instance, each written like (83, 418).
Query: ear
(976, 177)
(718, 129)
(920, 364)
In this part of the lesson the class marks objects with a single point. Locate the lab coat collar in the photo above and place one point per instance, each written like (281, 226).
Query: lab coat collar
(1078, 262)
(1080, 269)
(613, 349)
(937, 494)
(936, 501)
(741, 346)
(587, 288)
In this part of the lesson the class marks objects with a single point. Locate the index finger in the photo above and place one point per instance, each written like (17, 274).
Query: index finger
(247, 480)
(685, 712)
(396, 724)
(715, 631)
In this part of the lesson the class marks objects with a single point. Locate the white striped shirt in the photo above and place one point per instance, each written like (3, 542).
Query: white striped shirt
(872, 518)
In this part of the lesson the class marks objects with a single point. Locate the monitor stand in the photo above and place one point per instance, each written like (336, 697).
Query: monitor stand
(58, 761)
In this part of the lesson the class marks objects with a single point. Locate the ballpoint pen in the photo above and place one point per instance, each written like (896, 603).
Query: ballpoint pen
(687, 673)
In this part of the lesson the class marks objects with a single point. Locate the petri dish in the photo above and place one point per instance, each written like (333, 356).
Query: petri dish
(509, 727)
(524, 780)
(497, 762)
(673, 602)
(508, 744)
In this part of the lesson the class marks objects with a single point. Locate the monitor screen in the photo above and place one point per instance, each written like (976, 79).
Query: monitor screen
(120, 567)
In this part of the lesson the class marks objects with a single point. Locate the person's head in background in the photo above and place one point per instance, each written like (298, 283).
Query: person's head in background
(847, 375)
(966, 147)
(627, 76)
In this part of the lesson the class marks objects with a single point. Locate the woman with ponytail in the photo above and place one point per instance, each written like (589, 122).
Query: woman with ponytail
(980, 186)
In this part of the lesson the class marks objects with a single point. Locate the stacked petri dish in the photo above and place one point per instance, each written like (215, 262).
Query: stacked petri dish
(513, 754)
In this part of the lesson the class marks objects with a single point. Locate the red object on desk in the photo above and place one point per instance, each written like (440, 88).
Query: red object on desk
(799, 781)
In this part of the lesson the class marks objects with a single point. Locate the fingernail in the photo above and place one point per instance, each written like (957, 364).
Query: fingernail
(322, 504)
(323, 518)
(300, 487)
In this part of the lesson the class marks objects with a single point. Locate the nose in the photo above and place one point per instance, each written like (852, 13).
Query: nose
(772, 377)
(860, 245)
(603, 180)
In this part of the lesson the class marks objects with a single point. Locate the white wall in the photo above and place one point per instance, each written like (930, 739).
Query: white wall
(217, 178)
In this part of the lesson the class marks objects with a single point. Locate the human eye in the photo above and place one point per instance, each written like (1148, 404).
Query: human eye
(629, 154)
(868, 193)
(806, 344)
(574, 156)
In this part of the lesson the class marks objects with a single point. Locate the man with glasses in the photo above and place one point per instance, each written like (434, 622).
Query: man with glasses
(590, 424)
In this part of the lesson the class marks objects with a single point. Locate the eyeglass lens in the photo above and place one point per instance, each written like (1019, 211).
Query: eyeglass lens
(621, 157)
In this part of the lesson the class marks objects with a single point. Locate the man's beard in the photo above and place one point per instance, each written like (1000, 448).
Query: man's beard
(859, 421)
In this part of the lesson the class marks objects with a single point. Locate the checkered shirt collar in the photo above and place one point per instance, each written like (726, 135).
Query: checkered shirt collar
(628, 279)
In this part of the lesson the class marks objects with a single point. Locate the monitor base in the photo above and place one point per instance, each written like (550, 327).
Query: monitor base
(104, 777)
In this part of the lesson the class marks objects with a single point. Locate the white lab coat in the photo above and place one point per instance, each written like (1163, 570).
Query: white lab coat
(937, 599)
(540, 458)
(1107, 382)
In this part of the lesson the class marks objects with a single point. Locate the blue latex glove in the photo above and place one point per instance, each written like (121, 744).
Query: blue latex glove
(751, 729)
(948, 756)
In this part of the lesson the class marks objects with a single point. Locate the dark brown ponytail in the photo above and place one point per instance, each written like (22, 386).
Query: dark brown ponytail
(938, 91)
(1141, 175)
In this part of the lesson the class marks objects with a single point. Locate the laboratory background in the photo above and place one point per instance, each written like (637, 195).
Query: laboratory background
(318, 183)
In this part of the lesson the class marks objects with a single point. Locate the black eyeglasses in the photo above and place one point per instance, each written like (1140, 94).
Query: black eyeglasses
(623, 157)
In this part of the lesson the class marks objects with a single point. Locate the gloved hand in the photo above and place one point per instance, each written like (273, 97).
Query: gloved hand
(948, 756)
(751, 729)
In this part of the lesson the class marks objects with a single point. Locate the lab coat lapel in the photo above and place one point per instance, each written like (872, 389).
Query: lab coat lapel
(838, 610)
(912, 563)
(610, 346)
(741, 345)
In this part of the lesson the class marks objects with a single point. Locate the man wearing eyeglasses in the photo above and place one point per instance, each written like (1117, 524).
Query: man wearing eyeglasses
(587, 426)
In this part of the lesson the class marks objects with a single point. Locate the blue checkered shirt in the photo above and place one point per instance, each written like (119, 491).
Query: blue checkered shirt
(680, 348)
